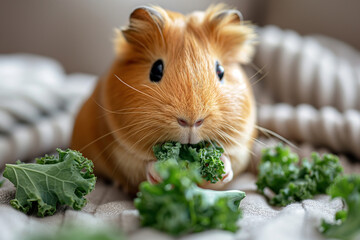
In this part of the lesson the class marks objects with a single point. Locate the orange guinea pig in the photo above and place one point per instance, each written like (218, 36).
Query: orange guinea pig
(174, 78)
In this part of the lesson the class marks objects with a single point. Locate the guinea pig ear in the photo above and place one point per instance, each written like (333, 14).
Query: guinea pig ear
(145, 27)
(233, 15)
(146, 14)
(234, 37)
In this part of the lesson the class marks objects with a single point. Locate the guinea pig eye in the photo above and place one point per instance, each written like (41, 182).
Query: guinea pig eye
(156, 72)
(219, 70)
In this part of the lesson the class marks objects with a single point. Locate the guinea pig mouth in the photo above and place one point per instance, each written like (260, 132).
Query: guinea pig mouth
(203, 144)
(189, 136)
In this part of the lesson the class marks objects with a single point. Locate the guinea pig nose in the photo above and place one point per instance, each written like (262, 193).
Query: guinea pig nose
(198, 122)
(182, 122)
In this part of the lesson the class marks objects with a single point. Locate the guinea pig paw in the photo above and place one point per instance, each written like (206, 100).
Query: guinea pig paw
(226, 177)
(229, 174)
(151, 174)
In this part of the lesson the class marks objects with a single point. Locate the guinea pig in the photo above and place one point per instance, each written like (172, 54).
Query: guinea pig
(174, 78)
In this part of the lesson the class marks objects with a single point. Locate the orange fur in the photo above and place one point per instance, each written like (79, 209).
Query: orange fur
(127, 113)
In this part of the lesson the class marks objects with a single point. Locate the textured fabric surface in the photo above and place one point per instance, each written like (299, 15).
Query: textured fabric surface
(291, 102)
(38, 102)
(108, 205)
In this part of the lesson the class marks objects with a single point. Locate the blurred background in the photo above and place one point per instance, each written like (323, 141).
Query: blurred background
(79, 33)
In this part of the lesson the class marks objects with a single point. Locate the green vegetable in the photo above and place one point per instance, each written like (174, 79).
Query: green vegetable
(51, 181)
(79, 232)
(347, 226)
(2, 182)
(279, 171)
(206, 154)
(177, 205)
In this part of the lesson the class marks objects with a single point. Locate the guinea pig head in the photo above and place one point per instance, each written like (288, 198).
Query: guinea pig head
(179, 78)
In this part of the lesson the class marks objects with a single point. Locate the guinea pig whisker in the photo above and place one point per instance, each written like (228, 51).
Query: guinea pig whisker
(221, 134)
(125, 113)
(112, 152)
(237, 142)
(230, 137)
(255, 67)
(102, 107)
(258, 71)
(150, 154)
(107, 111)
(160, 94)
(150, 141)
(274, 134)
(144, 137)
(254, 83)
(249, 151)
(127, 109)
(258, 80)
(144, 124)
(105, 135)
(117, 164)
(243, 134)
(135, 89)
(217, 142)
(142, 128)
(105, 149)
(266, 131)
(111, 111)
(210, 142)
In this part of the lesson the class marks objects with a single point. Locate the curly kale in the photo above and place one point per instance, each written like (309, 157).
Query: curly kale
(51, 181)
(347, 226)
(206, 154)
(177, 205)
(290, 182)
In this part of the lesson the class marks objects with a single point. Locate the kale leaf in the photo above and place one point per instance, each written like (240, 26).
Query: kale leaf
(177, 205)
(51, 181)
(206, 154)
(347, 226)
(280, 172)
(76, 231)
